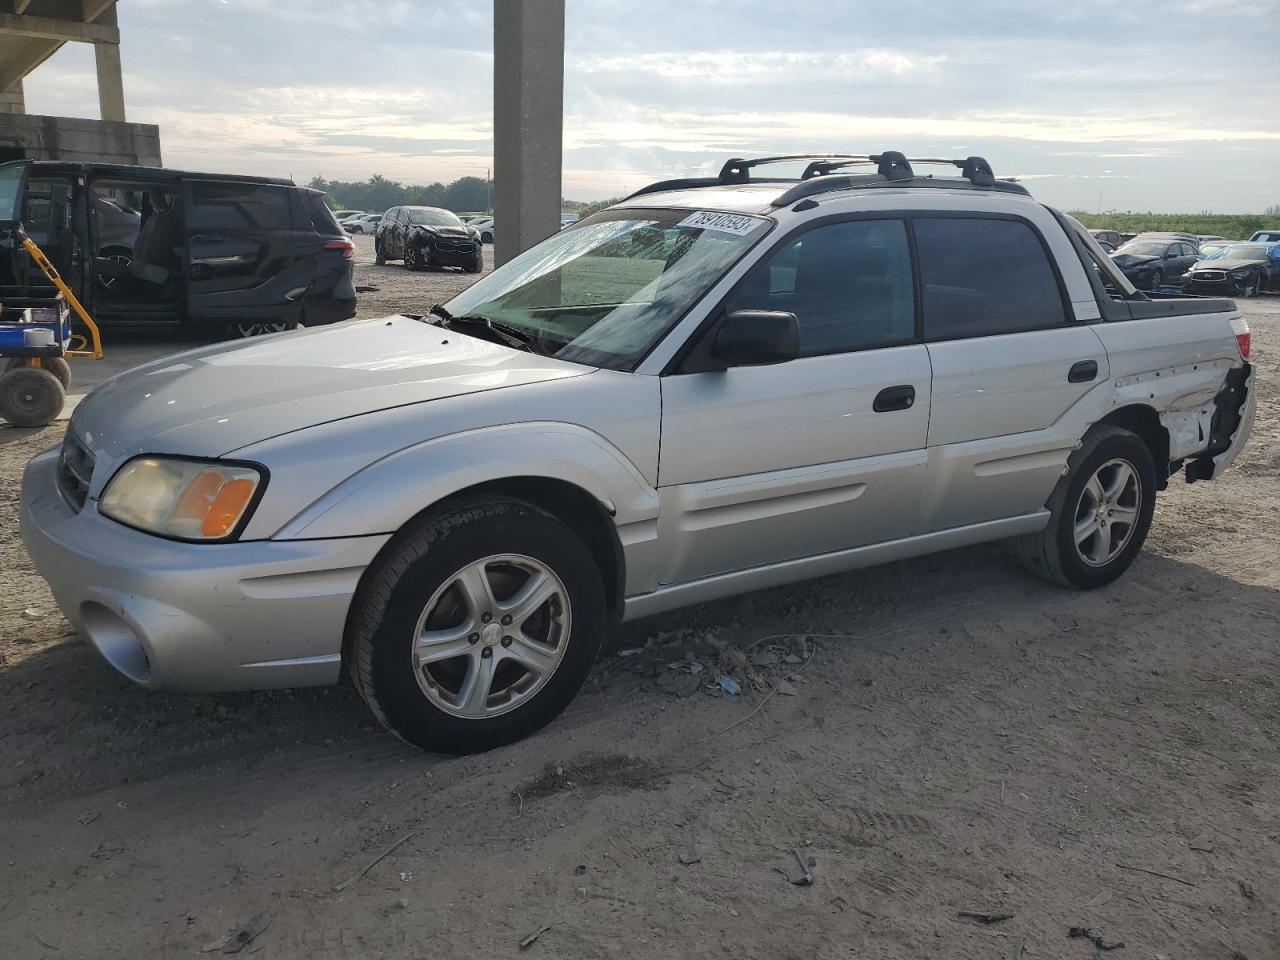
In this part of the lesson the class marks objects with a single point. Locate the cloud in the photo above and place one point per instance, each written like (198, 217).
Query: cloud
(1062, 92)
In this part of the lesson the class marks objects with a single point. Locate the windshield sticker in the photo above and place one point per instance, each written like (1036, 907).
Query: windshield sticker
(734, 223)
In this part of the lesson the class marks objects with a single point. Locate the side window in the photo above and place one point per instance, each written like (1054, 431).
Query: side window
(238, 206)
(1187, 250)
(849, 285)
(321, 216)
(984, 277)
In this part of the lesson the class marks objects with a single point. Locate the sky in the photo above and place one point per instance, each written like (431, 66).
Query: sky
(1095, 105)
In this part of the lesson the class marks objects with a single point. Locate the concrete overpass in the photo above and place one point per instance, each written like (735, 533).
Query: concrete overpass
(31, 31)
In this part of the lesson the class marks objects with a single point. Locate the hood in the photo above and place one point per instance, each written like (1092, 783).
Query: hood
(1230, 265)
(212, 401)
(1123, 260)
(442, 231)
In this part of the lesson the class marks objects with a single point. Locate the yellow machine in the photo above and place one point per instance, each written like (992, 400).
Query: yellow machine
(37, 337)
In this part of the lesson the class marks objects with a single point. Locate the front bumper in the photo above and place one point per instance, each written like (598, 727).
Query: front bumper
(447, 257)
(193, 616)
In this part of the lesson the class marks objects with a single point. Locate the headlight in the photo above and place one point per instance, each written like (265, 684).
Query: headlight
(186, 499)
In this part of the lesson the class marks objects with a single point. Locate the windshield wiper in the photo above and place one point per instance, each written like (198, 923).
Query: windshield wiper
(504, 333)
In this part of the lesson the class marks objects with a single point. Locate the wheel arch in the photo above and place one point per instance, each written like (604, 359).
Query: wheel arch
(1142, 420)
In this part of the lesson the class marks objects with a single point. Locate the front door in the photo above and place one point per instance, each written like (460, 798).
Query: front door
(826, 452)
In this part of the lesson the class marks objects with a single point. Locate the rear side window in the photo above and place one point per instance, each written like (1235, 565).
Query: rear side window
(849, 285)
(983, 277)
(321, 216)
(239, 206)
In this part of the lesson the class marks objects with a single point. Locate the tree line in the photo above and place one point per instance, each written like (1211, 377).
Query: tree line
(464, 195)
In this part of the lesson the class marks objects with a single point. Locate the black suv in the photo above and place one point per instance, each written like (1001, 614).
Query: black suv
(427, 237)
(140, 244)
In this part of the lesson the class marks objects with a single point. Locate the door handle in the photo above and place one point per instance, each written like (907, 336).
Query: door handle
(1083, 371)
(895, 398)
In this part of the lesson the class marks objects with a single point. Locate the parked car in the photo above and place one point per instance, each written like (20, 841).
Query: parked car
(425, 237)
(1266, 236)
(365, 223)
(1238, 268)
(838, 371)
(245, 255)
(1152, 260)
(484, 225)
(1106, 246)
(341, 215)
(1111, 237)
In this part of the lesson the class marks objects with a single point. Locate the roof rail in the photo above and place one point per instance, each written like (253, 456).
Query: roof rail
(891, 167)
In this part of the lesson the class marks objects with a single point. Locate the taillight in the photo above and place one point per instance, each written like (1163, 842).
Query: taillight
(1240, 327)
(346, 246)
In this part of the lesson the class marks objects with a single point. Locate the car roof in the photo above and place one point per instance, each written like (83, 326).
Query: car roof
(132, 172)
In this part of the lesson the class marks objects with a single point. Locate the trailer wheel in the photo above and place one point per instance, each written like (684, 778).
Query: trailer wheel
(30, 397)
(58, 366)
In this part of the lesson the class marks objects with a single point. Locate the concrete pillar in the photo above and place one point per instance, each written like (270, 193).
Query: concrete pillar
(110, 81)
(13, 100)
(528, 122)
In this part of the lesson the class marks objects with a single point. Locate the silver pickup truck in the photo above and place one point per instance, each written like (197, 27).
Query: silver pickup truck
(714, 386)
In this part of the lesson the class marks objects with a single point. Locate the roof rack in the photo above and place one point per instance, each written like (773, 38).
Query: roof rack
(892, 167)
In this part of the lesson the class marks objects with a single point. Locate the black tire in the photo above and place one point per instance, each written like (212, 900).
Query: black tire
(58, 366)
(379, 256)
(1053, 553)
(476, 265)
(416, 564)
(1254, 287)
(412, 257)
(31, 396)
(486, 237)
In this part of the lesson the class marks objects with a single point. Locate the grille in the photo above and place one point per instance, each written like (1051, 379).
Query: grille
(1209, 275)
(447, 245)
(75, 468)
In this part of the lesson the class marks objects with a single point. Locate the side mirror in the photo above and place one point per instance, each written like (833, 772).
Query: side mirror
(749, 338)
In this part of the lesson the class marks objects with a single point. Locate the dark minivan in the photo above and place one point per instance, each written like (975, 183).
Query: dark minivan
(245, 254)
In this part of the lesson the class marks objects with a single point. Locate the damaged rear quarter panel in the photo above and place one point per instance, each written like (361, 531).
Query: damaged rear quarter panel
(1175, 365)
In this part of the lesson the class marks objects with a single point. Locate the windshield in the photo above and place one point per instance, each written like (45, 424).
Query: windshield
(1241, 251)
(434, 218)
(1145, 248)
(606, 290)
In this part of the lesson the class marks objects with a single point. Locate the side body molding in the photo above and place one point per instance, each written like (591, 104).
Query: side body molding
(386, 494)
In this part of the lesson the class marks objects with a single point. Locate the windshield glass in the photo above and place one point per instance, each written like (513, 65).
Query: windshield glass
(1241, 251)
(1145, 248)
(606, 290)
(434, 218)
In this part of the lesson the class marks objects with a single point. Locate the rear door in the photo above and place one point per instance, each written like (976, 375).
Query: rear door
(1008, 359)
(240, 246)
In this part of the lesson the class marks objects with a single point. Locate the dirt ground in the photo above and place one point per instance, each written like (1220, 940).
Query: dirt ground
(964, 738)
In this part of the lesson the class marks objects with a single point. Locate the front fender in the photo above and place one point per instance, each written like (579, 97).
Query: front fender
(385, 495)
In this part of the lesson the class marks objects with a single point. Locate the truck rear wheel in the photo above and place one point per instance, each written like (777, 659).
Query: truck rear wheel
(1100, 512)
(476, 626)
(31, 396)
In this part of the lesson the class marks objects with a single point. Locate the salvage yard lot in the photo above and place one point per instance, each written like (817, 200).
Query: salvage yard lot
(964, 738)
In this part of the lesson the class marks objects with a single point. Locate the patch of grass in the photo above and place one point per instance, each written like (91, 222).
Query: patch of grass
(1233, 226)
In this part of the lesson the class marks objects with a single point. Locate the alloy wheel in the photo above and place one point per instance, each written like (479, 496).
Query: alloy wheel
(491, 636)
(1107, 512)
(259, 329)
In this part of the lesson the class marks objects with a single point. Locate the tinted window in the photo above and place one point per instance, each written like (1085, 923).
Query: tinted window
(984, 277)
(1188, 250)
(849, 285)
(237, 206)
(321, 216)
